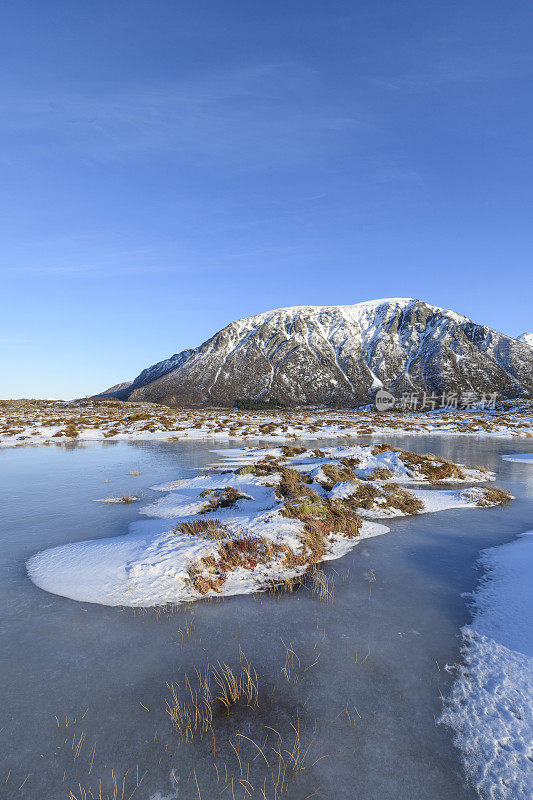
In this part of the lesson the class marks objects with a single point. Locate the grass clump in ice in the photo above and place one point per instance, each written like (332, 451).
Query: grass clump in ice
(125, 498)
(486, 496)
(218, 688)
(322, 585)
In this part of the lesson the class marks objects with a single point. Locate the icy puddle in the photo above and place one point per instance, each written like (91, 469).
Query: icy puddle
(339, 696)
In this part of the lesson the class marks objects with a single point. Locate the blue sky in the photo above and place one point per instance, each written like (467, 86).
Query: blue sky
(168, 167)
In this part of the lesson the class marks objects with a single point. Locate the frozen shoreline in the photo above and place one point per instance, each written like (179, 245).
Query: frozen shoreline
(491, 703)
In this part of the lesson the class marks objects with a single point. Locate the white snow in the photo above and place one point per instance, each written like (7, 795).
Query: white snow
(527, 338)
(146, 567)
(136, 569)
(491, 704)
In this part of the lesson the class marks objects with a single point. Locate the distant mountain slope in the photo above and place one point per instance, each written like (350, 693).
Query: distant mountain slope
(115, 391)
(337, 355)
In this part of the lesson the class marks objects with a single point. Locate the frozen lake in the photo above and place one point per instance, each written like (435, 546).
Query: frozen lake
(84, 686)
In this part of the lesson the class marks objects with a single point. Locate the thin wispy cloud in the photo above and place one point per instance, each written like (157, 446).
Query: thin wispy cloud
(249, 117)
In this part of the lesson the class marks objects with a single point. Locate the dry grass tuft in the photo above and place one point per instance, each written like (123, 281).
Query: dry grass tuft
(289, 450)
(364, 496)
(292, 484)
(405, 501)
(383, 448)
(323, 586)
(283, 586)
(126, 498)
(266, 466)
(221, 498)
(381, 473)
(335, 473)
(490, 496)
(244, 551)
(203, 528)
(321, 518)
(434, 469)
(247, 469)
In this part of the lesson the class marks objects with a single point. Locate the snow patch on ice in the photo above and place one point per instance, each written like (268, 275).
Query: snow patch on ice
(522, 458)
(491, 704)
(147, 566)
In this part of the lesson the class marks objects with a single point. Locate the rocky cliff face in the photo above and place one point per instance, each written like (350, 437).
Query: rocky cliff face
(339, 355)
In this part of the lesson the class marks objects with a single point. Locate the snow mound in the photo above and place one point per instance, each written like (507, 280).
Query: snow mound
(146, 567)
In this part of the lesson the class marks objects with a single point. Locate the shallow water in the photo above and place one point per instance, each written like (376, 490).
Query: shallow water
(367, 705)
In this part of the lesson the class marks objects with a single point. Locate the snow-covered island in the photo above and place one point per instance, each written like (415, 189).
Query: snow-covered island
(261, 519)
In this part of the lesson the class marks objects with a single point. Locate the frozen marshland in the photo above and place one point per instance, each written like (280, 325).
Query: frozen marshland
(348, 695)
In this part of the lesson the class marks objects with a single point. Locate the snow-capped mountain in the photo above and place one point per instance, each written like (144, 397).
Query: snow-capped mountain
(339, 355)
(527, 338)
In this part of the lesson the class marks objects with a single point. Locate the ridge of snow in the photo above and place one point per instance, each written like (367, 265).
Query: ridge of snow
(356, 310)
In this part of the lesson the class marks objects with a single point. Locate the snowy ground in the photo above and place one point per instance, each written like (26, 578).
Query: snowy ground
(281, 491)
(491, 708)
(25, 422)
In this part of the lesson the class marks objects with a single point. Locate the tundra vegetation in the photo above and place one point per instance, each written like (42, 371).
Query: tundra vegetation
(27, 421)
